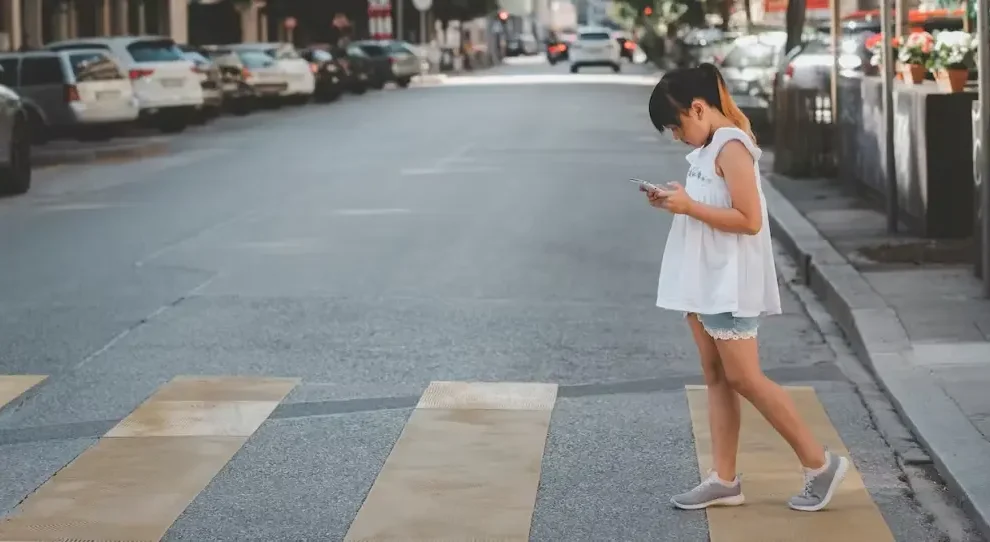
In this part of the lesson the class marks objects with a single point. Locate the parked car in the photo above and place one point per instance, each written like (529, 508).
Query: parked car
(15, 143)
(521, 44)
(378, 68)
(250, 79)
(405, 64)
(167, 89)
(79, 92)
(556, 51)
(594, 46)
(748, 69)
(210, 80)
(627, 47)
(297, 73)
(328, 72)
(359, 73)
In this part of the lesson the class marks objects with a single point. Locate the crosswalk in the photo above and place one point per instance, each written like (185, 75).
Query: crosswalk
(465, 467)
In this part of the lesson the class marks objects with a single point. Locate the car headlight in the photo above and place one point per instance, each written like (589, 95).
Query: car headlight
(850, 62)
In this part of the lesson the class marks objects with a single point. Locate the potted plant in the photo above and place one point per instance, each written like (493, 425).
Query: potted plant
(875, 46)
(915, 55)
(953, 55)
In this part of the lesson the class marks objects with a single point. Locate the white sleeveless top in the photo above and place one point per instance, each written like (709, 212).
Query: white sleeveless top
(708, 271)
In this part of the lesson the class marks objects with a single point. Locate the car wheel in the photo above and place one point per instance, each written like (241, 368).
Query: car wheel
(574, 68)
(359, 88)
(15, 177)
(616, 68)
(404, 82)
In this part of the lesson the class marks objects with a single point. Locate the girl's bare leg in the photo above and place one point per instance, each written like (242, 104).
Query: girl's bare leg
(723, 404)
(823, 471)
(741, 364)
(721, 487)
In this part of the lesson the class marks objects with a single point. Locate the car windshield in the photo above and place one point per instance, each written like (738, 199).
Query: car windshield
(398, 47)
(155, 51)
(94, 67)
(282, 53)
(255, 59)
(372, 50)
(595, 36)
(196, 57)
(319, 55)
(756, 55)
(356, 52)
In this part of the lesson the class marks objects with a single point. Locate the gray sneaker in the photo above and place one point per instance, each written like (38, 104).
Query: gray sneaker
(818, 489)
(710, 492)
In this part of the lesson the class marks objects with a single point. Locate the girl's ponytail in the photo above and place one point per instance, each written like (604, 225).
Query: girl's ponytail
(726, 104)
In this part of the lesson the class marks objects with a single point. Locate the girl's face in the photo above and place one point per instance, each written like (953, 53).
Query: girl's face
(695, 127)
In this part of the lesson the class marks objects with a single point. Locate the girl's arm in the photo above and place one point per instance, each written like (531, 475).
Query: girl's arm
(736, 165)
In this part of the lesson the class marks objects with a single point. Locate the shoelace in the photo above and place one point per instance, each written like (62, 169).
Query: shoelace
(809, 480)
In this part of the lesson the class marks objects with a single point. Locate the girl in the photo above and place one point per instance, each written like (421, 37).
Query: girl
(718, 269)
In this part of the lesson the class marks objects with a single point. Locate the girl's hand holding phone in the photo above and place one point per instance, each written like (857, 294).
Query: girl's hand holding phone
(673, 198)
(656, 197)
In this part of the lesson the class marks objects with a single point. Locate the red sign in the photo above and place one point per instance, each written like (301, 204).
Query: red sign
(290, 22)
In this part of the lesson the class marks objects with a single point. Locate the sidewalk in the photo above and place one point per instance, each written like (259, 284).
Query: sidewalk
(913, 312)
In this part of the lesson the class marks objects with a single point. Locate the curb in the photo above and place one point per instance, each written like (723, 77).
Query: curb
(41, 157)
(958, 450)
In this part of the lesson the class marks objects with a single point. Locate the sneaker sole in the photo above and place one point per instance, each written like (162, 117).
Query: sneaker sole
(735, 500)
(840, 475)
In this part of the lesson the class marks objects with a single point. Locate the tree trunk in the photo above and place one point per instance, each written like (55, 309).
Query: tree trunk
(748, 6)
(795, 23)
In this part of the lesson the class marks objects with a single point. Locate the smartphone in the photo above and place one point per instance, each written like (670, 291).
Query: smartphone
(644, 186)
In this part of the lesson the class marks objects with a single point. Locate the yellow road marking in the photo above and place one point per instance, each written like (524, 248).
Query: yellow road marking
(771, 474)
(466, 467)
(134, 482)
(13, 386)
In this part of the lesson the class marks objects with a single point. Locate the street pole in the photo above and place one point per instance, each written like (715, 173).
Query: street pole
(887, 31)
(834, 90)
(983, 54)
(400, 19)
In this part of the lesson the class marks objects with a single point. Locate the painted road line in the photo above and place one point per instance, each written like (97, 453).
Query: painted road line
(771, 474)
(13, 386)
(135, 481)
(466, 466)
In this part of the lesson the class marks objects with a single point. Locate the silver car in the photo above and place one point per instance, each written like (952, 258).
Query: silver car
(748, 69)
(82, 92)
(15, 144)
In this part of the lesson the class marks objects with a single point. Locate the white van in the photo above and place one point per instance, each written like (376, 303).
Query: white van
(166, 84)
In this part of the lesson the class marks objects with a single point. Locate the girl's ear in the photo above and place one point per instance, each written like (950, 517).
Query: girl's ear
(697, 109)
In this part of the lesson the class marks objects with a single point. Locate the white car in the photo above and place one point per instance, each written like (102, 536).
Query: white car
(165, 83)
(298, 74)
(594, 46)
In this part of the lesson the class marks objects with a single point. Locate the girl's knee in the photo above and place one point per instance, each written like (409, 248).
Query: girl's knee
(745, 383)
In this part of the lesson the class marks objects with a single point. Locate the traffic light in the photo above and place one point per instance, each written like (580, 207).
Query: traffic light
(503, 16)
(647, 11)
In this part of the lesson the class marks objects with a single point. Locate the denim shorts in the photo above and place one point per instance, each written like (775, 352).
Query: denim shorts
(725, 327)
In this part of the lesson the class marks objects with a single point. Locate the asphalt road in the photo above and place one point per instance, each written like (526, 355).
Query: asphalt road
(370, 247)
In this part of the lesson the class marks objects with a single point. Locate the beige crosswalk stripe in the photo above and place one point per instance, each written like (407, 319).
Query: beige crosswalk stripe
(13, 386)
(466, 466)
(771, 474)
(135, 481)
